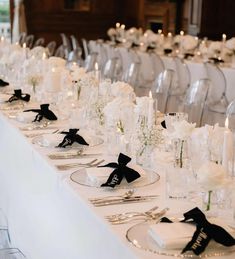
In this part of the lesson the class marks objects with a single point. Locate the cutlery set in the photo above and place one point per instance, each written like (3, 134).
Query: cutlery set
(124, 200)
(92, 163)
(127, 217)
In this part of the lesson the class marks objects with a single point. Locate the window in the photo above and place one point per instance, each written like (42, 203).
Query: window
(5, 26)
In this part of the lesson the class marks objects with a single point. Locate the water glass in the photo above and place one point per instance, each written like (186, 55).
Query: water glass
(170, 118)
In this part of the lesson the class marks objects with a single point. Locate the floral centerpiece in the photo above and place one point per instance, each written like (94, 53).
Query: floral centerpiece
(182, 130)
(211, 177)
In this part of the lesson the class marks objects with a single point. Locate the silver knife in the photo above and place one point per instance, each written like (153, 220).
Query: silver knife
(106, 203)
(122, 199)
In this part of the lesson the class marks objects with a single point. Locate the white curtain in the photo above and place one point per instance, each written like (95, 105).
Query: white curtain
(19, 21)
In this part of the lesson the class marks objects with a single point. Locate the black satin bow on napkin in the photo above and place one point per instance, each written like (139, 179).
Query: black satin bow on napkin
(71, 137)
(43, 112)
(120, 171)
(205, 231)
(18, 95)
(3, 83)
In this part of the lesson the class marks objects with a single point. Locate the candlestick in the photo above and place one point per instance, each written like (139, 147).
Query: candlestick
(181, 33)
(25, 50)
(224, 36)
(159, 31)
(227, 157)
(150, 110)
(118, 25)
(54, 80)
(97, 72)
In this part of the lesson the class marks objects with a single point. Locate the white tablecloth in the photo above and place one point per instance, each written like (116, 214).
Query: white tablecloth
(50, 216)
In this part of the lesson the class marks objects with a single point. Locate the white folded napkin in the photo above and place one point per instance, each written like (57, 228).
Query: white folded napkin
(4, 98)
(100, 175)
(26, 116)
(51, 140)
(172, 235)
(176, 235)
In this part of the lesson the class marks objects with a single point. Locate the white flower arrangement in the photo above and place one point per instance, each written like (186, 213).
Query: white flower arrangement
(189, 42)
(182, 130)
(34, 80)
(211, 177)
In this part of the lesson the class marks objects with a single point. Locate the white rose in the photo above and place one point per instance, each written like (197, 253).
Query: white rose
(182, 130)
(122, 89)
(189, 42)
(230, 44)
(211, 176)
(214, 47)
(56, 62)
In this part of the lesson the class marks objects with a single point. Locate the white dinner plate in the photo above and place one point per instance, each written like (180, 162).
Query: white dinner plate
(82, 177)
(53, 140)
(139, 236)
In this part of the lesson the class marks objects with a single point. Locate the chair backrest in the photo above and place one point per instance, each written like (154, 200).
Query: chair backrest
(218, 90)
(157, 63)
(39, 42)
(85, 48)
(90, 61)
(161, 88)
(29, 41)
(109, 68)
(195, 99)
(11, 253)
(183, 75)
(60, 52)
(67, 44)
(230, 114)
(51, 46)
(131, 74)
(22, 38)
(75, 44)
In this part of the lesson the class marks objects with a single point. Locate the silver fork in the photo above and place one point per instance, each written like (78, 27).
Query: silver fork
(126, 215)
(92, 163)
(148, 217)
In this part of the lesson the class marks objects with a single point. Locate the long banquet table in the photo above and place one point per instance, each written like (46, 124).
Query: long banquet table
(50, 217)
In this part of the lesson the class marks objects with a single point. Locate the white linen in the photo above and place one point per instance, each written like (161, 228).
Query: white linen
(4, 98)
(172, 235)
(26, 117)
(49, 216)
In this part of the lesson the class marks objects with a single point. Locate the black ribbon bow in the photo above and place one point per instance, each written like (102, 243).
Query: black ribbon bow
(163, 123)
(71, 137)
(43, 112)
(3, 83)
(205, 231)
(120, 171)
(18, 95)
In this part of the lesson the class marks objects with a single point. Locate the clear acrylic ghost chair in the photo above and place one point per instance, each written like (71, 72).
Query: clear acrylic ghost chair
(60, 52)
(39, 42)
(157, 64)
(161, 88)
(11, 253)
(66, 44)
(75, 44)
(183, 75)
(4, 234)
(230, 114)
(111, 68)
(85, 48)
(180, 84)
(90, 61)
(22, 38)
(195, 99)
(51, 46)
(217, 102)
(29, 41)
(131, 74)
